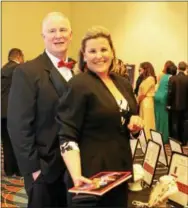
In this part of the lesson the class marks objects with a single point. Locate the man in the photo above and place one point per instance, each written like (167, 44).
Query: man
(36, 88)
(15, 57)
(178, 103)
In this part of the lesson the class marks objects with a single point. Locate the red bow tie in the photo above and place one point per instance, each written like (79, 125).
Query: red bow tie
(68, 65)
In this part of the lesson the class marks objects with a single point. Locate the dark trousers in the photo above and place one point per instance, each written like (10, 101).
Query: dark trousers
(10, 163)
(185, 132)
(116, 198)
(179, 120)
(170, 123)
(42, 194)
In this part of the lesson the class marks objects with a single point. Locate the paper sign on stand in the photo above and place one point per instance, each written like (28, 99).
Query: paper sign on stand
(143, 141)
(179, 169)
(134, 144)
(175, 145)
(150, 161)
(157, 137)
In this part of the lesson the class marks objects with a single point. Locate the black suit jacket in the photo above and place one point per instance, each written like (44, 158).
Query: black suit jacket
(6, 80)
(178, 92)
(89, 115)
(34, 96)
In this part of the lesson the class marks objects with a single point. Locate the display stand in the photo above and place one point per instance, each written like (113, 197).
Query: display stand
(143, 141)
(179, 169)
(158, 138)
(150, 161)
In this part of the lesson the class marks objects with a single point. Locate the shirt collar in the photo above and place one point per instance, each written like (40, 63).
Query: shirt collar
(180, 72)
(54, 59)
(16, 61)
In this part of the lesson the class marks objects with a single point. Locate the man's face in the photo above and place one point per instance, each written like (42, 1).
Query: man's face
(21, 58)
(57, 35)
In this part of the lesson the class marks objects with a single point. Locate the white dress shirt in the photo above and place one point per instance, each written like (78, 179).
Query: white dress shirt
(64, 71)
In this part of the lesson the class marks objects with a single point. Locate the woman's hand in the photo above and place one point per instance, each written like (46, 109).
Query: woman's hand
(81, 180)
(140, 98)
(136, 124)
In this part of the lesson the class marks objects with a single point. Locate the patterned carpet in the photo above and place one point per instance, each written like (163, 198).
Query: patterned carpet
(13, 193)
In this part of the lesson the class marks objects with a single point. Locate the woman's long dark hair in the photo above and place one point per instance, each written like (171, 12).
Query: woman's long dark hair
(167, 65)
(148, 70)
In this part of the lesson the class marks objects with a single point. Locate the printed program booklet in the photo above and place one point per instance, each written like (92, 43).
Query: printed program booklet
(102, 183)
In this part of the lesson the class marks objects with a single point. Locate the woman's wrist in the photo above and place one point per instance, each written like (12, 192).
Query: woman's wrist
(135, 132)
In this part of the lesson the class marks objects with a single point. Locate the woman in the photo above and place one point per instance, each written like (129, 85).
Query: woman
(145, 97)
(167, 64)
(160, 99)
(96, 118)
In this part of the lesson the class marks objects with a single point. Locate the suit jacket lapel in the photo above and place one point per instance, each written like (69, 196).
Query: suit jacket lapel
(57, 80)
(59, 83)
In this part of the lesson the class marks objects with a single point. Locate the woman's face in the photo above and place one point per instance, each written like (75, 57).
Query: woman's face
(140, 71)
(98, 55)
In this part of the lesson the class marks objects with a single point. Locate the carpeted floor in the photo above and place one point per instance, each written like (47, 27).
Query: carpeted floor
(13, 193)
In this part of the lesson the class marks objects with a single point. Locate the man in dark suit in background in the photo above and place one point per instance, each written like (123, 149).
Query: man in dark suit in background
(15, 57)
(178, 103)
(36, 88)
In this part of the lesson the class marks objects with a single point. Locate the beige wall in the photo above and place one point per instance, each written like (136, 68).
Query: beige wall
(142, 31)
(21, 25)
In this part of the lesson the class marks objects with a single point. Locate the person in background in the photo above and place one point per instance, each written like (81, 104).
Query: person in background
(177, 102)
(160, 100)
(139, 81)
(36, 88)
(120, 68)
(173, 69)
(96, 118)
(15, 57)
(167, 64)
(146, 97)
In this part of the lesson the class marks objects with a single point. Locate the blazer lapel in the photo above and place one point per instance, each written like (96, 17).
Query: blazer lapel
(57, 80)
(59, 83)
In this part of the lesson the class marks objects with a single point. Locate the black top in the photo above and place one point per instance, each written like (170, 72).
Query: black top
(6, 80)
(90, 115)
(138, 82)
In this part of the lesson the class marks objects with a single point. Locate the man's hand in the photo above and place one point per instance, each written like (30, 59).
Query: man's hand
(136, 124)
(36, 174)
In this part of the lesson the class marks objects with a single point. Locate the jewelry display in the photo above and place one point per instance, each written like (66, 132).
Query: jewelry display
(161, 191)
